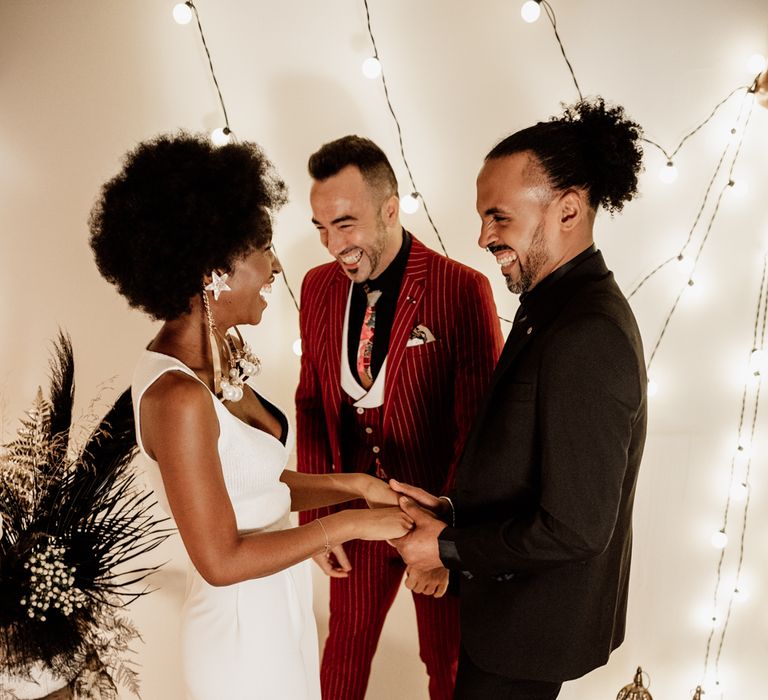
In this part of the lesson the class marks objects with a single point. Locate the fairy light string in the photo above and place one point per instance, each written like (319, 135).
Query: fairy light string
(227, 131)
(671, 156)
(758, 343)
(761, 312)
(415, 193)
(729, 184)
(193, 7)
(705, 199)
(553, 21)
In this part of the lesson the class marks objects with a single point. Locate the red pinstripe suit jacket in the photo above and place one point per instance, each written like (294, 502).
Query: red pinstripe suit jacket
(431, 391)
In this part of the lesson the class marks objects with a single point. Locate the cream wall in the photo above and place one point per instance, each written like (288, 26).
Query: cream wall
(81, 82)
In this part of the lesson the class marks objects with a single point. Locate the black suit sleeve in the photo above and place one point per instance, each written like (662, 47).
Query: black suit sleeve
(588, 397)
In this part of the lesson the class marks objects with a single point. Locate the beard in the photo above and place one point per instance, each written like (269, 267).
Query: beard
(377, 249)
(537, 258)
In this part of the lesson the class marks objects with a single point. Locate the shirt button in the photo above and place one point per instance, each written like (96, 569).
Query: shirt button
(360, 411)
(376, 449)
(369, 430)
(530, 330)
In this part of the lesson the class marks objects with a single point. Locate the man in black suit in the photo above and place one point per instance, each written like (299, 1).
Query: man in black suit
(539, 527)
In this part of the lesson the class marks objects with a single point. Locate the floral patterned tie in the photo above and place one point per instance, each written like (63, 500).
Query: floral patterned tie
(365, 348)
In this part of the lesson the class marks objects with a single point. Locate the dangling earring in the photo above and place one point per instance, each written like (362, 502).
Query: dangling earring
(241, 360)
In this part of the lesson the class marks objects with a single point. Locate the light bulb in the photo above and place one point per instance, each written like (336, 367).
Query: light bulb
(653, 388)
(297, 347)
(182, 13)
(668, 173)
(371, 68)
(758, 361)
(756, 64)
(530, 11)
(719, 539)
(221, 136)
(741, 459)
(739, 491)
(409, 203)
(706, 617)
(738, 188)
(740, 593)
(743, 445)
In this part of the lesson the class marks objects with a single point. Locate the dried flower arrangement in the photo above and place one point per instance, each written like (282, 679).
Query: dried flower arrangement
(72, 523)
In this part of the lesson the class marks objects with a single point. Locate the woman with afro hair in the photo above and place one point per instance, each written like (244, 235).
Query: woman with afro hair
(184, 232)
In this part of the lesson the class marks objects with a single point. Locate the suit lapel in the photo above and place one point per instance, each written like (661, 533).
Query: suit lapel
(525, 328)
(409, 303)
(334, 327)
(517, 339)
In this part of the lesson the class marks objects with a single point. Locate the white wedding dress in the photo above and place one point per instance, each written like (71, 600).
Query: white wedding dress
(256, 639)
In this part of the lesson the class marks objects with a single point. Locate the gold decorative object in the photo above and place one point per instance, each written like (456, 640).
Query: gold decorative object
(635, 690)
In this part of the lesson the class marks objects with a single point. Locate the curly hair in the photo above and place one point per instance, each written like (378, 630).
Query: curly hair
(180, 208)
(590, 145)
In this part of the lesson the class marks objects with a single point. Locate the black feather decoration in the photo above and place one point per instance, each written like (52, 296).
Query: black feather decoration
(62, 369)
(72, 524)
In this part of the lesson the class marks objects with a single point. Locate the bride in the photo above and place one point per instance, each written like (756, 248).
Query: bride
(184, 232)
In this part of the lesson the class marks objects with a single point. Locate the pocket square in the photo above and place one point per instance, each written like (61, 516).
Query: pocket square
(420, 335)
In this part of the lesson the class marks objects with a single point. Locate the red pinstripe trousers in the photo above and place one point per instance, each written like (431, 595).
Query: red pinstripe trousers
(359, 605)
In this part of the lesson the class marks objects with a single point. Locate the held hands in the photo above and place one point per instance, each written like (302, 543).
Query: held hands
(381, 523)
(439, 507)
(419, 548)
(377, 493)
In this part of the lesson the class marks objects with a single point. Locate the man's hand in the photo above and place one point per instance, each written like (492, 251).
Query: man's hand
(440, 507)
(419, 547)
(334, 564)
(434, 582)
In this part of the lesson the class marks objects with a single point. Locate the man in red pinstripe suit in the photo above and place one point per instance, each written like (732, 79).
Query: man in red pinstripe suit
(399, 344)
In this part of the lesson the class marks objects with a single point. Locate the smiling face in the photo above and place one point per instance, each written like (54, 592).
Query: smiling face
(358, 223)
(250, 280)
(521, 220)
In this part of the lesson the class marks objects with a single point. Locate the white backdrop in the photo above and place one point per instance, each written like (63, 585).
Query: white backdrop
(81, 82)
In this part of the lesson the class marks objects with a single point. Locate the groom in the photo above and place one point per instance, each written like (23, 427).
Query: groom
(539, 528)
(399, 344)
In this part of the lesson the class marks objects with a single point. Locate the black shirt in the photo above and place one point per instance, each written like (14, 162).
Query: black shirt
(388, 282)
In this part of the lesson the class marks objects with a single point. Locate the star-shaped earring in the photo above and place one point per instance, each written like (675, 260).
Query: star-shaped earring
(218, 284)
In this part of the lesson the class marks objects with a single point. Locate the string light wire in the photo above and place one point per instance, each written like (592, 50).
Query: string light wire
(414, 190)
(671, 156)
(192, 5)
(680, 254)
(668, 155)
(712, 218)
(227, 129)
(758, 341)
(553, 21)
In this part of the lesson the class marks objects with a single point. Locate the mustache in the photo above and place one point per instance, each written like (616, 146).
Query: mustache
(496, 248)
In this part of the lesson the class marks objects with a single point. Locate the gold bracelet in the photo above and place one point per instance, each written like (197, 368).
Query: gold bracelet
(325, 532)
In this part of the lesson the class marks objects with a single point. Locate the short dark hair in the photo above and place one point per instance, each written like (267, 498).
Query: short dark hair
(180, 208)
(590, 145)
(359, 151)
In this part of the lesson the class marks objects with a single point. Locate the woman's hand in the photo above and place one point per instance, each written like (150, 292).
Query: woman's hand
(379, 523)
(377, 493)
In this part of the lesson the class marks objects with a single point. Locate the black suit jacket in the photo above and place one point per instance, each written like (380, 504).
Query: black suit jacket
(546, 483)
